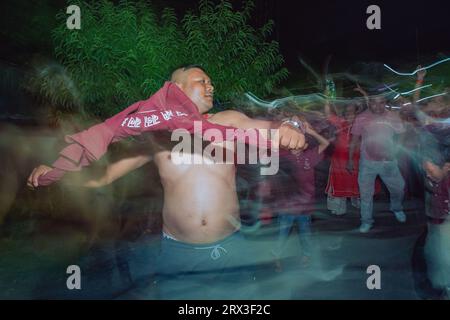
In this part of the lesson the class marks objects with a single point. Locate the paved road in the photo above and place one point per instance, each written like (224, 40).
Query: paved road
(35, 258)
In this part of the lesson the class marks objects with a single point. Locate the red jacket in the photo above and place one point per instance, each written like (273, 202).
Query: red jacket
(168, 109)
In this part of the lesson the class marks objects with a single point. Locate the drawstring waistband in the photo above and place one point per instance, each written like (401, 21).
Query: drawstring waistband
(217, 249)
(215, 252)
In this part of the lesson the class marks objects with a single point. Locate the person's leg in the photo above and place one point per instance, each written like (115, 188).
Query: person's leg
(393, 179)
(445, 239)
(356, 202)
(285, 225)
(238, 279)
(304, 232)
(219, 270)
(337, 205)
(368, 171)
(183, 272)
(433, 253)
(437, 250)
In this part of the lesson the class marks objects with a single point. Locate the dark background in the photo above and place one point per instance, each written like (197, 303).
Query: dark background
(412, 32)
(409, 30)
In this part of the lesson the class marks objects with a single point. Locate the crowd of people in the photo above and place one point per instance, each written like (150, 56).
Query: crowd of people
(378, 141)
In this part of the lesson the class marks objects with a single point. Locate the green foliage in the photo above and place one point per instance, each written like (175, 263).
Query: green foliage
(235, 54)
(49, 82)
(124, 53)
(120, 55)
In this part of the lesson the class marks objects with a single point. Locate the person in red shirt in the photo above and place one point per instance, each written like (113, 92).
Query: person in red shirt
(342, 184)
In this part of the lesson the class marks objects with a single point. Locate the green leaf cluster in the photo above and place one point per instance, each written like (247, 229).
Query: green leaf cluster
(124, 52)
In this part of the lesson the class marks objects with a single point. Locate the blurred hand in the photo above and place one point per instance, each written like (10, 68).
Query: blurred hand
(290, 137)
(32, 181)
(360, 90)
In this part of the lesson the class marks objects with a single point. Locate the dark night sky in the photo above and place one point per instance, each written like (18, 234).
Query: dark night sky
(411, 31)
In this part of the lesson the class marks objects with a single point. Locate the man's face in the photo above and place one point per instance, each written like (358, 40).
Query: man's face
(377, 105)
(197, 86)
(350, 113)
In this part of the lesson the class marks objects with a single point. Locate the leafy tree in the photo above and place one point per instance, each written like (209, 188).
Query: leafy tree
(124, 53)
(234, 53)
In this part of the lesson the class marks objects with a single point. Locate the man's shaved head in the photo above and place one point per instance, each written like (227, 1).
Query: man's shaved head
(179, 75)
(196, 84)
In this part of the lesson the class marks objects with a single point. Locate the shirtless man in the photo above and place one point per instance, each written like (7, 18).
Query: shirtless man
(202, 252)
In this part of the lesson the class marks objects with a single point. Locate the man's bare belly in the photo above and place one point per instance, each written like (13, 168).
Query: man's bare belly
(200, 200)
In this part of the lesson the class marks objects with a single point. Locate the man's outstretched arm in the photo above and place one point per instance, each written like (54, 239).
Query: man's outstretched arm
(363, 93)
(113, 172)
(323, 142)
(117, 170)
(166, 110)
(289, 136)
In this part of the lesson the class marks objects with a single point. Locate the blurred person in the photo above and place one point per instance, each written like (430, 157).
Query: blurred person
(376, 128)
(295, 202)
(437, 245)
(436, 167)
(341, 183)
(203, 254)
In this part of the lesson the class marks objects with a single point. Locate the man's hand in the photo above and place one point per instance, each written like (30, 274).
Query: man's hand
(32, 181)
(360, 90)
(290, 137)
